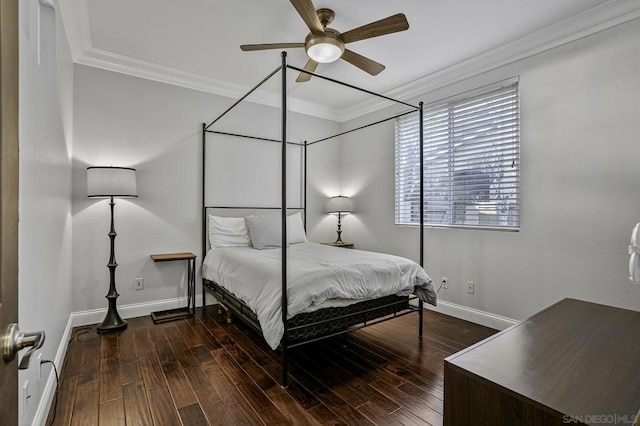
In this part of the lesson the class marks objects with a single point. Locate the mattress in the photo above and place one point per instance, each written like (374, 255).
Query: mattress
(318, 276)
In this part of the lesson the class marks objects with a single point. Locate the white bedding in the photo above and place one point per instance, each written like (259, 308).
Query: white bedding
(318, 276)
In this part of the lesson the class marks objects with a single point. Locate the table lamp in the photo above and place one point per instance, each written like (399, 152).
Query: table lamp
(339, 205)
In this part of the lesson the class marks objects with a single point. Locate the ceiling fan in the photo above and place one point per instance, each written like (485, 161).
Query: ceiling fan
(324, 44)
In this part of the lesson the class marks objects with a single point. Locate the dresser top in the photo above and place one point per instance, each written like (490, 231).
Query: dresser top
(576, 358)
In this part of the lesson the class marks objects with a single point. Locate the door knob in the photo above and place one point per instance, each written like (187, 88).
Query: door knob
(13, 340)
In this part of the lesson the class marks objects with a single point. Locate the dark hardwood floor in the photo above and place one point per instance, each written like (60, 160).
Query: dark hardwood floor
(202, 371)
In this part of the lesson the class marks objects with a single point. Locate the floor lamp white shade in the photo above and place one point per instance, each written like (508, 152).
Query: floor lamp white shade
(111, 182)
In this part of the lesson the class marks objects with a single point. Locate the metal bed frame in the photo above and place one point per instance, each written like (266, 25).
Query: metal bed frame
(328, 322)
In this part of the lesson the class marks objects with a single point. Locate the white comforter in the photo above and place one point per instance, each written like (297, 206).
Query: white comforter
(316, 274)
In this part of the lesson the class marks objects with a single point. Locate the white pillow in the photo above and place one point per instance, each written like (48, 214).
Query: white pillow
(266, 231)
(295, 229)
(228, 232)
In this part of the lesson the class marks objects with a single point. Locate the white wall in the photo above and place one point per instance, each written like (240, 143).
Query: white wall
(580, 186)
(46, 83)
(156, 128)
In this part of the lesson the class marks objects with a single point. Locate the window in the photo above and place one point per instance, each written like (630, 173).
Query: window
(471, 162)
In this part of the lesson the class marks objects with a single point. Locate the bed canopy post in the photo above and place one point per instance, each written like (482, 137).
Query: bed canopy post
(421, 119)
(284, 218)
(305, 186)
(204, 208)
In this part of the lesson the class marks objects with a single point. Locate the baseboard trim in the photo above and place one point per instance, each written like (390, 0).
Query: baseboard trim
(476, 316)
(95, 316)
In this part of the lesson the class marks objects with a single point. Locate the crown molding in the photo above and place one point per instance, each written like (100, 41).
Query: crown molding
(589, 22)
(75, 18)
(110, 61)
(47, 3)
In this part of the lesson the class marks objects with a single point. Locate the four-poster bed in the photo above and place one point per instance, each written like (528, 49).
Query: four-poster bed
(313, 322)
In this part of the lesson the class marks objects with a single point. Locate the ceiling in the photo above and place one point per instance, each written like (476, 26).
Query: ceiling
(195, 43)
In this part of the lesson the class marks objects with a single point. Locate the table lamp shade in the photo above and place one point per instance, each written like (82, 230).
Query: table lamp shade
(340, 204)
(111, 182)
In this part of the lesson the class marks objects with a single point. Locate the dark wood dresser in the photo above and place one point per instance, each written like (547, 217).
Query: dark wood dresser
(573, 363)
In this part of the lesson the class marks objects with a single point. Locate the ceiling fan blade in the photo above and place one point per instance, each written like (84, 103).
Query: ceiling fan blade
(365, 64)
(250, 47)
(307, 12)
(392, 24)
(310, 66)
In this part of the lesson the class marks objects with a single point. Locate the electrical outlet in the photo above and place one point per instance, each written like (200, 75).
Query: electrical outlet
(139, 283)
(471, 287)
(445, 282)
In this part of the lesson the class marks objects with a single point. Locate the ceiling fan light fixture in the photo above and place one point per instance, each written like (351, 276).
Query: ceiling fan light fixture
(324, 48)
(324, 53)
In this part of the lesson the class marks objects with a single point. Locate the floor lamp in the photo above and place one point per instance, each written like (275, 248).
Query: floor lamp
(110, 182)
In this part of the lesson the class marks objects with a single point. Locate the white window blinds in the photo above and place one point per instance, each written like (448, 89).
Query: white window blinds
(471, 163)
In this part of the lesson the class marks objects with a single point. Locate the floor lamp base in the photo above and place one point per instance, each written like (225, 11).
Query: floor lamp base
(112, 322)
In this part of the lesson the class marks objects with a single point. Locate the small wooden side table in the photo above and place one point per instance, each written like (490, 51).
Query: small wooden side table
(189, 310)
